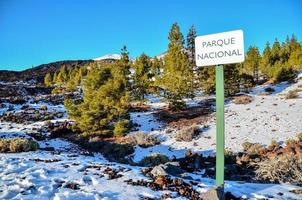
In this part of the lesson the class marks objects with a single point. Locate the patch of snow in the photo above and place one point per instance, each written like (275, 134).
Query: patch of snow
(109, 56)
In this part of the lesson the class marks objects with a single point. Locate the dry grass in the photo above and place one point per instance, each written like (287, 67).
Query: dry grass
(17, 145)
(299, 135)
(153, 159)
(244, 99)
(252, 148)
(293, 94)
(281, 169)
(142, 139)
(187, 134)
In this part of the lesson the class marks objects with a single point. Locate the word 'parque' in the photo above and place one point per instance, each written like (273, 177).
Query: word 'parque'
(219, 42)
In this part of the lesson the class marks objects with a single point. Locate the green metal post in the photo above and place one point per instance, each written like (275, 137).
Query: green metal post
(219, 126)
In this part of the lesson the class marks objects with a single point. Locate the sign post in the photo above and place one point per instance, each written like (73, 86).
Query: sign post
(218, 49)
(219, 125)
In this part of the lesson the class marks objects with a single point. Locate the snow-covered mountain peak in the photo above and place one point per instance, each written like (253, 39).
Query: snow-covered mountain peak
(109, 56)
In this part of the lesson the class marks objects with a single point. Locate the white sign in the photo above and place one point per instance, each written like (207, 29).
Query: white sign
(220, 48)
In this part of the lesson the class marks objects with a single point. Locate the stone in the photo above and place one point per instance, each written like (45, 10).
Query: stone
(169, 168)
(216, 193)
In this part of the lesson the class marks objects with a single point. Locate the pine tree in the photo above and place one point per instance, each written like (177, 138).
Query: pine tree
(231, 79)
(104, 110)
(206, 79)
(141, 77)
(156, 68)
(62, 76)
(177, 77)
(295, 59)
(105, 105)
(266, 60)
(252, 62)
(125, 63)
(48, 80)
(191, 44)
(275, 54)
(54, 78)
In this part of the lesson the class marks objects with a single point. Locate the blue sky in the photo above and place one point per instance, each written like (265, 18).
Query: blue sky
(34, 32)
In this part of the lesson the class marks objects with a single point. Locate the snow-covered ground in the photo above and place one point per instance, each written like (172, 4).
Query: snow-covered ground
(26, 176)
(266, 118)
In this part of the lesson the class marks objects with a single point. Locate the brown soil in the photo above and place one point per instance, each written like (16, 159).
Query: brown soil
(185, 117)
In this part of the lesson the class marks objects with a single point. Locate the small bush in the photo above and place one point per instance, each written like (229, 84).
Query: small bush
(283, 74)
(142, 139)
(17, 145)
(246, 146)
(187, 134)
(121, 128)
(292, 94)
(281, 169)
(289, 141)
(244, 99)
(299, 135)
(43, 107)
(252, 148)
(274, 145)
(153, 159)
(4, 145)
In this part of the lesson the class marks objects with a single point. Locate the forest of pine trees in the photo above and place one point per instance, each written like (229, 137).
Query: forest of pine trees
(108, 89)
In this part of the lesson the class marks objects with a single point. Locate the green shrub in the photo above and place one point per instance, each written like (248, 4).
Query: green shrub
(18, 145)
(153, 159)
(299, 135)
(121, 128)
(283, 74)
(247, 81)
(43, 107)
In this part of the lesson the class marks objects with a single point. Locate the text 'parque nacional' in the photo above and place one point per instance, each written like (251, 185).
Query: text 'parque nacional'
(221, 48)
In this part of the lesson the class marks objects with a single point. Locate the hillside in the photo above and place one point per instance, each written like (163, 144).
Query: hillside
(61, 169)
(37, 73)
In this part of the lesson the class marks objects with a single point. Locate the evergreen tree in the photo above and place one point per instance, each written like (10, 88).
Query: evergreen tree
(206, 79)
(266, 60)
(231, 79)
(293, 44)
(284, 52)
(124, 63)
(191, 44)
(62, 76)
(252, 62)
(177, 77)
(295, 59)
(54, 78)
(48, 80)
(104, 110)
(156, 68)
(275, 54)
(141, 77)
